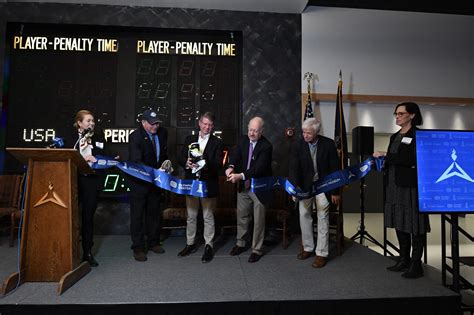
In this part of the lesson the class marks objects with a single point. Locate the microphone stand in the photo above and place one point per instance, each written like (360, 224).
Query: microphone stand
(83, 135)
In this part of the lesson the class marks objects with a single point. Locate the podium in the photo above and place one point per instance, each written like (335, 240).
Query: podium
(49, 247)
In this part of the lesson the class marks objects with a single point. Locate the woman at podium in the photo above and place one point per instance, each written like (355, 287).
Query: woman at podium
(401, 195)
(89, 143)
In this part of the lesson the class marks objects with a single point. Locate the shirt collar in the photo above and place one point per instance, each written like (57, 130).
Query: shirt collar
(204, 137)
(314, 144)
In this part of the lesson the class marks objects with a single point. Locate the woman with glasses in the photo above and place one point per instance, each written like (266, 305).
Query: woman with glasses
(401, 193)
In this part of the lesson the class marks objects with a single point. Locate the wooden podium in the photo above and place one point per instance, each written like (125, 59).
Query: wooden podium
(49, 248)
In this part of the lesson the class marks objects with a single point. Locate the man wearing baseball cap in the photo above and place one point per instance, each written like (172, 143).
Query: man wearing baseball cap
(147, 146)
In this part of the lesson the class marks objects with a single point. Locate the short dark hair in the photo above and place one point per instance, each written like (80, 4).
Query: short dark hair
(209, 116)
(412, 108)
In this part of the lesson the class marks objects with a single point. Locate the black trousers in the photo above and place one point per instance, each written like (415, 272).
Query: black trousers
(145, 218)
(89, 188)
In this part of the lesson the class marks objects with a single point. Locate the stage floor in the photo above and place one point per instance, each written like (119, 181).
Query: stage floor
(358, 278)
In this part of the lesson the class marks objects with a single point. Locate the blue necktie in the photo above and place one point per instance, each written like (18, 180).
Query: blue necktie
(156, 143)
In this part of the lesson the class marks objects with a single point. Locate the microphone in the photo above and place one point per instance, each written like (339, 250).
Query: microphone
(57, 143)
(87, 131)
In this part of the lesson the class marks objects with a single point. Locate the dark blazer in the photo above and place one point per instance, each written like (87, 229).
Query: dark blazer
(260, 165)
(404, 161)
(301, 170)
(141, 151)
(213, 154)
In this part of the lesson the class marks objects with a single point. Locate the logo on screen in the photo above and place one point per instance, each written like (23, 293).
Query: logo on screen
(454, 170)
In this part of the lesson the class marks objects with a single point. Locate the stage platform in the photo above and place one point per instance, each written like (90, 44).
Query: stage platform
(354, 283)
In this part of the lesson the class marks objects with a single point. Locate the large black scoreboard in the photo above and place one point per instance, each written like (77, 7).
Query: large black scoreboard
(54, 70)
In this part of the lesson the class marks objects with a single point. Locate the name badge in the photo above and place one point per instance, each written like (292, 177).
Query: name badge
(406, 140)
(99, 145)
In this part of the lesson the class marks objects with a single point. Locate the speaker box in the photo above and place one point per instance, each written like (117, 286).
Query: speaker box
(363, 140)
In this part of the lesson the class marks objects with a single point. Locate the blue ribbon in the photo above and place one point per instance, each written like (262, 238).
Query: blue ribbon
(199, 188)
(328, 183)
(155, 176)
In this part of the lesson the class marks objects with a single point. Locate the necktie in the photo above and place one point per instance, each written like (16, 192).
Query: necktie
(314, 152)
(247, 182)
(156, 146)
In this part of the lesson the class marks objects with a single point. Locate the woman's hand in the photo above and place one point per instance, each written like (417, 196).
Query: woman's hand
(90, 158)
(378, 154)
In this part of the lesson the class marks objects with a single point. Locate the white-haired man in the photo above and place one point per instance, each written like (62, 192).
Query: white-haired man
(314, 157)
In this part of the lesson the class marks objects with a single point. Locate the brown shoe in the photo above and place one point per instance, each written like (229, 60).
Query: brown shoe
(319, 262)
(304, 255)
(254, 257)
(139, 255)
(237, 250)
(157, 249)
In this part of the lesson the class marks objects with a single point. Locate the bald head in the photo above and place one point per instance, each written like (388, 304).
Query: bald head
(255, 128)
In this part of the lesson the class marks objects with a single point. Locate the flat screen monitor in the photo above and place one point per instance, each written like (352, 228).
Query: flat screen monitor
(445, 166)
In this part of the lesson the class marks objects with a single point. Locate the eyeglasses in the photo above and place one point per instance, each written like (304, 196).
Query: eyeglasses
(399, 114)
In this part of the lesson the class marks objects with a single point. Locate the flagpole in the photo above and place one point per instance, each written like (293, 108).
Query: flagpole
(341, 121)
(308, 113)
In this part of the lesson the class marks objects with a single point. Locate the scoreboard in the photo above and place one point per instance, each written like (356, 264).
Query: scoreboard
(52, 71)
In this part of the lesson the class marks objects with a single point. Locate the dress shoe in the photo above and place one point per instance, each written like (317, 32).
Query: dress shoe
(254, 257)
(401, 265)
(237, 250)
(208, 254)
(415, 270)
(188, 249)
(319, 262)
(157, 249)
(304, 255)
(90, 259)
(139, 255)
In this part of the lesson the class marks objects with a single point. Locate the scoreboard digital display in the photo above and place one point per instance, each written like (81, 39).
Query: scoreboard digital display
(445, 166)
(52, 71)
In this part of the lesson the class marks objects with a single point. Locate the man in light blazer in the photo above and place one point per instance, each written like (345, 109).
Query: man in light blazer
(211, 151)
(313, 157)
(251, 158)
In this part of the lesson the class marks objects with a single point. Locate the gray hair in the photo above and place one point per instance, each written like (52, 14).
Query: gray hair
(259, 120)
(312, 123)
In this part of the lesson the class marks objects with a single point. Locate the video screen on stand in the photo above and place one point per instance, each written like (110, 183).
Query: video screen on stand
(445, 166)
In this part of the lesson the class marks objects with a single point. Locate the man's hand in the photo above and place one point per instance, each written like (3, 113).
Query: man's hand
(234, 178)
(336, 199)
(190, 164)
(229, 171)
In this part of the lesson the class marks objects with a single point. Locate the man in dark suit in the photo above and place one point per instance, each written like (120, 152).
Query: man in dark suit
(251, 158)
(209, 149)
(148, 146)
(314, 157)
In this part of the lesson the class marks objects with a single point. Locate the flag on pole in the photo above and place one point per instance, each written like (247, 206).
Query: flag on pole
(340, 135)
(308, 113)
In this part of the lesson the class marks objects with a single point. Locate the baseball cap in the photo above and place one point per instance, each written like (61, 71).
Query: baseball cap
(151, 117)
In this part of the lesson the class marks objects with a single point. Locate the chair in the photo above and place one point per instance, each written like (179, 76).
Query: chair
(11, 189)
(279, 214)
(336, 224)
